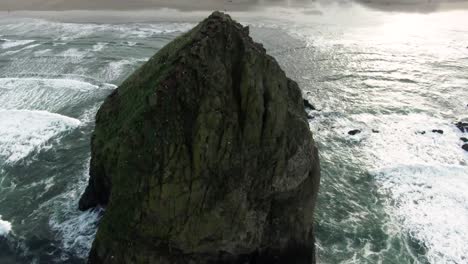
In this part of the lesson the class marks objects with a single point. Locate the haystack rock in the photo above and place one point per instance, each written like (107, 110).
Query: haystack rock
(204, 155)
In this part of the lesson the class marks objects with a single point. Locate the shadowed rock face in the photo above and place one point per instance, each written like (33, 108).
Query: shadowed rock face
(204, 155)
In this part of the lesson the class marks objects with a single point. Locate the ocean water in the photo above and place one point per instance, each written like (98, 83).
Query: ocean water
(394, 193)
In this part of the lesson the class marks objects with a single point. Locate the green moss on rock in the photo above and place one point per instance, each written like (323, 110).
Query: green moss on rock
(204, 155)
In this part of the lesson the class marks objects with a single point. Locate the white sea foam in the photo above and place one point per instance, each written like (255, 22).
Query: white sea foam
(76, 229)
(74, 53)
(16, 83)
(430, 202)
(8, 44)
(71, 31)
(99, 46)
(90, 113)
(115, 69)
(24, 131)
(42, 52)
(44, 94)
(11, 52)
(130, 43)
(5, 227)
(425, 175)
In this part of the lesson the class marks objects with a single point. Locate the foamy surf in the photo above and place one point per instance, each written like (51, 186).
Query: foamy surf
(29, 47)
(24, 131)
(8, 43)
(73, 31)
(51, 95)
(425, 176)
(23, 83)
(76, 229)
(5, 227)
(429, 202)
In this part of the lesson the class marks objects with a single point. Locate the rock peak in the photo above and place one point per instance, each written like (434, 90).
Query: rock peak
(204, 155)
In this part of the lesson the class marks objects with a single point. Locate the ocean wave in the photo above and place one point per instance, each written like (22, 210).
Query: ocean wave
(8, 43)
(18, 83)
(76, 229)
(70, 31)
(99, 46)
(51, 95)
(429, 202)
(74, 53)
(116, 69)
(5, 227)
(24, 131)
(12, 52)
(424, 176)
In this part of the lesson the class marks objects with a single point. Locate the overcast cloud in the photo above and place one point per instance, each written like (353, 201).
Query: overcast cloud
(238, 5)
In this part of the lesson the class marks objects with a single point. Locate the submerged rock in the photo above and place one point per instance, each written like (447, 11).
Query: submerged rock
(437, 131)
(465, 147)
(308, 105)
(204, 155)
(462, 126)
(354, 132)
(464, 139)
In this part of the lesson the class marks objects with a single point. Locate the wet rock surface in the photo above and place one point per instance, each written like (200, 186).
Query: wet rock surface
(204, 155)
(465, 147)
(308, 105)
(462, 126)
(354, 132)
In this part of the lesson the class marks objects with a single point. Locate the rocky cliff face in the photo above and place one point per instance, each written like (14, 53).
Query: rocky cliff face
(204, 155)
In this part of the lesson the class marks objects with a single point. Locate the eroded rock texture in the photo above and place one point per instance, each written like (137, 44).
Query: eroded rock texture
(204, 155)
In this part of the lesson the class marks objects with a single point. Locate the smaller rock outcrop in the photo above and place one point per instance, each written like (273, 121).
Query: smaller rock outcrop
(308, 105)
(438, 131)
(465, 147)
(462, 126)
(354, 132)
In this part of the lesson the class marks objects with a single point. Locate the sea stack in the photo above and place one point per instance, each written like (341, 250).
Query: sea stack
(204, 155)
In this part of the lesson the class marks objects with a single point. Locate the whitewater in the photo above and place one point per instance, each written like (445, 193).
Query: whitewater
(397, 192)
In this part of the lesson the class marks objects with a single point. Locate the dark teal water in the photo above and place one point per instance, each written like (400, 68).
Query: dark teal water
(390, 194)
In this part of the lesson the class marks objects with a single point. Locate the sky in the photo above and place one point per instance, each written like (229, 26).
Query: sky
(236, 5)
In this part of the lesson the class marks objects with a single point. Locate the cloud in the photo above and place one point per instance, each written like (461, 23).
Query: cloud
(232, 5)
(424, 6)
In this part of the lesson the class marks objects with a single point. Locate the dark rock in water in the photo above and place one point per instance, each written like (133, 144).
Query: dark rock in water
(437, 131)
(464, 139)
(204, 155)
(465, 147)
(375, 131)
(308, 105)
(463, 126)
(354, 132)
(421, 132)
